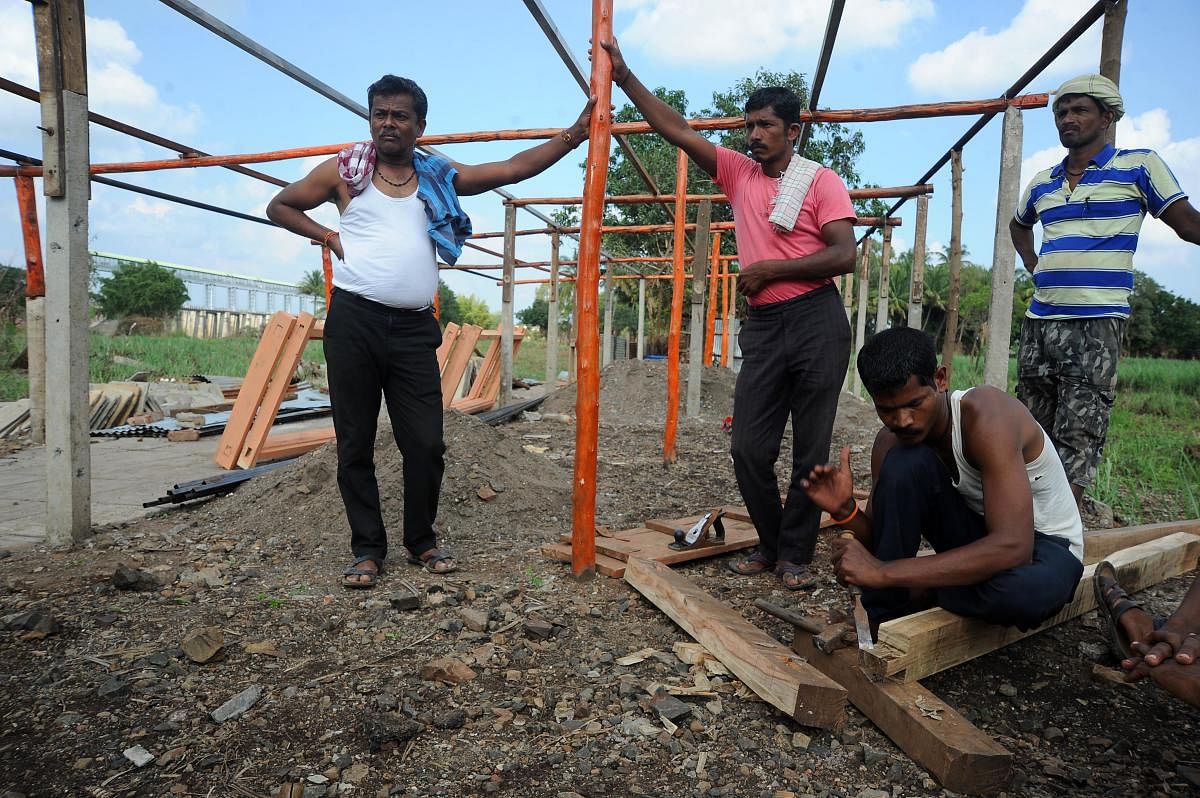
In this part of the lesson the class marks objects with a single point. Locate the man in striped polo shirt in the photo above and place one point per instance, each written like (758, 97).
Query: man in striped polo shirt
(1091, 206)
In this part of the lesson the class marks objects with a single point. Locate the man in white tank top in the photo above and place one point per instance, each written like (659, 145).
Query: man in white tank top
(973, 474)
(399, 210)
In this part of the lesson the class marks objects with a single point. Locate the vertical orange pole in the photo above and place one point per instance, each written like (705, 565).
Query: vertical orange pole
(35, 277)
(714, 274)
(669, 454)
(437, 305)
(725, 318)
(587, 389)
(327, 270)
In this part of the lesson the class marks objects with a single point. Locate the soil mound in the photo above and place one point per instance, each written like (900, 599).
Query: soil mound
(636, 390)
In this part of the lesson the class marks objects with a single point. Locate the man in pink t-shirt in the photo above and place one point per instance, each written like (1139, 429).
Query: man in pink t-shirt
(795, 341)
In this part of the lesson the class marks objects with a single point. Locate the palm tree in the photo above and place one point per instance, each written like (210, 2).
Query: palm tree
(313, 284)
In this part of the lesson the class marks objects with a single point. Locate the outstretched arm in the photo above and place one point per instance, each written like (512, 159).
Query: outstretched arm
(665, 120)
(287, 208)
(487, 176)
(1184, 219)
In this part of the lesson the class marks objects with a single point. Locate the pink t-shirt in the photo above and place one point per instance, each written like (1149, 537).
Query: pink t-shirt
(750, 194)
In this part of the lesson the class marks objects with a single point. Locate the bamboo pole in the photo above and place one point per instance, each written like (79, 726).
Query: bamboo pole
(870, 192)
(696, 320)
(860, 322)
(916, 292)
(848, 116)
(676, 325)
(587, 392)
(35, 307)
(951, 333)
(506, 308)
(995, 363)
(552, 317)
(884, 292)
(714, 278)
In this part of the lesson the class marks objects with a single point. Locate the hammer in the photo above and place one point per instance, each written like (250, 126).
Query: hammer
(827, 638)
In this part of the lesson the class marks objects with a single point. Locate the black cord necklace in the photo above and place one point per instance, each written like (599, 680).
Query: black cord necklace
(401, 184)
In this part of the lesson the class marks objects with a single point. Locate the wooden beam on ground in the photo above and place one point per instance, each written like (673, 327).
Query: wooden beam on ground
(935, 736)
(931, 641)
(253, 387)
(605, 565)
(765, 665)
(1099, 543)
(291, 444)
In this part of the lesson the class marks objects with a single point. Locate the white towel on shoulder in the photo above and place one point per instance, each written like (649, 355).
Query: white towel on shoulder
(793, 188)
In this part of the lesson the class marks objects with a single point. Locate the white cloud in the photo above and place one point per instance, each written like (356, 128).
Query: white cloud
(1161, 254)
(986, 62)
(716, 32)
(157, 210)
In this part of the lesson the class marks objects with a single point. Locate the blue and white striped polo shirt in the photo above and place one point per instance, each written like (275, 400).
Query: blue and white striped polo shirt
(1089, 235)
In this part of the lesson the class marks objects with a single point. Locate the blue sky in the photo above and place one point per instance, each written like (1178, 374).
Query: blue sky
(485, 65)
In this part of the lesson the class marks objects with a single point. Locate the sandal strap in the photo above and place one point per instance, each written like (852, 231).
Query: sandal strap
(352, 571)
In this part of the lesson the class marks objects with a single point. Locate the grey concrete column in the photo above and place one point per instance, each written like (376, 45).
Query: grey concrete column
(884, 293)
(641, 332)
(860, 325)
(916, 292)
(609, 303)
(995, 364)
(506, 306)
(35, 345)
(552, 316)
(700, 247)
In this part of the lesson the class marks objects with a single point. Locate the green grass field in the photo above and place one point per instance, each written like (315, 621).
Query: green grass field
(1150, 471)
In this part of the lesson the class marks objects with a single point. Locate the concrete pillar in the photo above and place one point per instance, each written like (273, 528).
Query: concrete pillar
(62, 75)
(506, 306)
(35, 347)
(995, 364)
(208, 295)
(950, 340)
(696, 326)
(609, 303)
(641, 331)
(860, 326)
(552, 316)
(884, 294)
(916, 294)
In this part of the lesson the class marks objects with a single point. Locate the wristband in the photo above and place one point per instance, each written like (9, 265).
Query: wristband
(329, 235)
(847, 519)
(568, 139)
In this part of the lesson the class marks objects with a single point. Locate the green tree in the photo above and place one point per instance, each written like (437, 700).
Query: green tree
(475, 311)
(536, 315)
(448, 309)
(313, 285)
(141, 289)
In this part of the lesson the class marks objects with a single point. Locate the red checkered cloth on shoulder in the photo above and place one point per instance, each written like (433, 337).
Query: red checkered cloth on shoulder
(356, 164)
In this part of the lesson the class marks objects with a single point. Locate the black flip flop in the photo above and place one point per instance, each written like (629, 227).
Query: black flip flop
(1112, 601)
(354, 570)
(429, 559)
(747, 566)
(805, 580)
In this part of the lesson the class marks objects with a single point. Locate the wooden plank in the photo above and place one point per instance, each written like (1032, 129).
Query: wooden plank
(935, 736)
(606, 566)
(317, 331)
(1099, 543)
(253, 387)
(650, 544)
(291, 444)
(765, 665)
(486, 387)
(281, 376)
(449, 339)
(931, 641)
(456, 361)
(738, 513)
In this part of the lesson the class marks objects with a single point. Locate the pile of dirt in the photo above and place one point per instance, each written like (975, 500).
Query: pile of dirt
(636, 391)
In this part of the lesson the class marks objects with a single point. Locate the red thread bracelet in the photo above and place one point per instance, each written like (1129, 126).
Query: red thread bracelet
(329, 235)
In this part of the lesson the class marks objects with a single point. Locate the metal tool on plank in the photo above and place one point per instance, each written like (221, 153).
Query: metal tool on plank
(828, 638)
(709, 522)
(862, 624)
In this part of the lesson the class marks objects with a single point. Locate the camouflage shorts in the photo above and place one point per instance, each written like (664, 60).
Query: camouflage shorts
(1067, 377)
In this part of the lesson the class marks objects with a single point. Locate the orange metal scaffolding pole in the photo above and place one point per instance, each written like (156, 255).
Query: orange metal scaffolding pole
(681, 165)
(713, 277)
(587, 389)
(35, 277)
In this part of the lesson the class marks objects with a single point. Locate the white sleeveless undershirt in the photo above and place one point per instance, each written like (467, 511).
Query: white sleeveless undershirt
(1054, 509)
(389, 255)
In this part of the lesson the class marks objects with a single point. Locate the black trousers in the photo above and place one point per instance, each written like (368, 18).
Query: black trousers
(372, 349)
(915, 495)
(794, 357)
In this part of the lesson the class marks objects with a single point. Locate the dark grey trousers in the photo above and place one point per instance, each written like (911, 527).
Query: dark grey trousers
(794, 359)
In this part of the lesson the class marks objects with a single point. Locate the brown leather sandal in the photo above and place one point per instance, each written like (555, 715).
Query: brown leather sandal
(1112, 601)
(756, 563)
